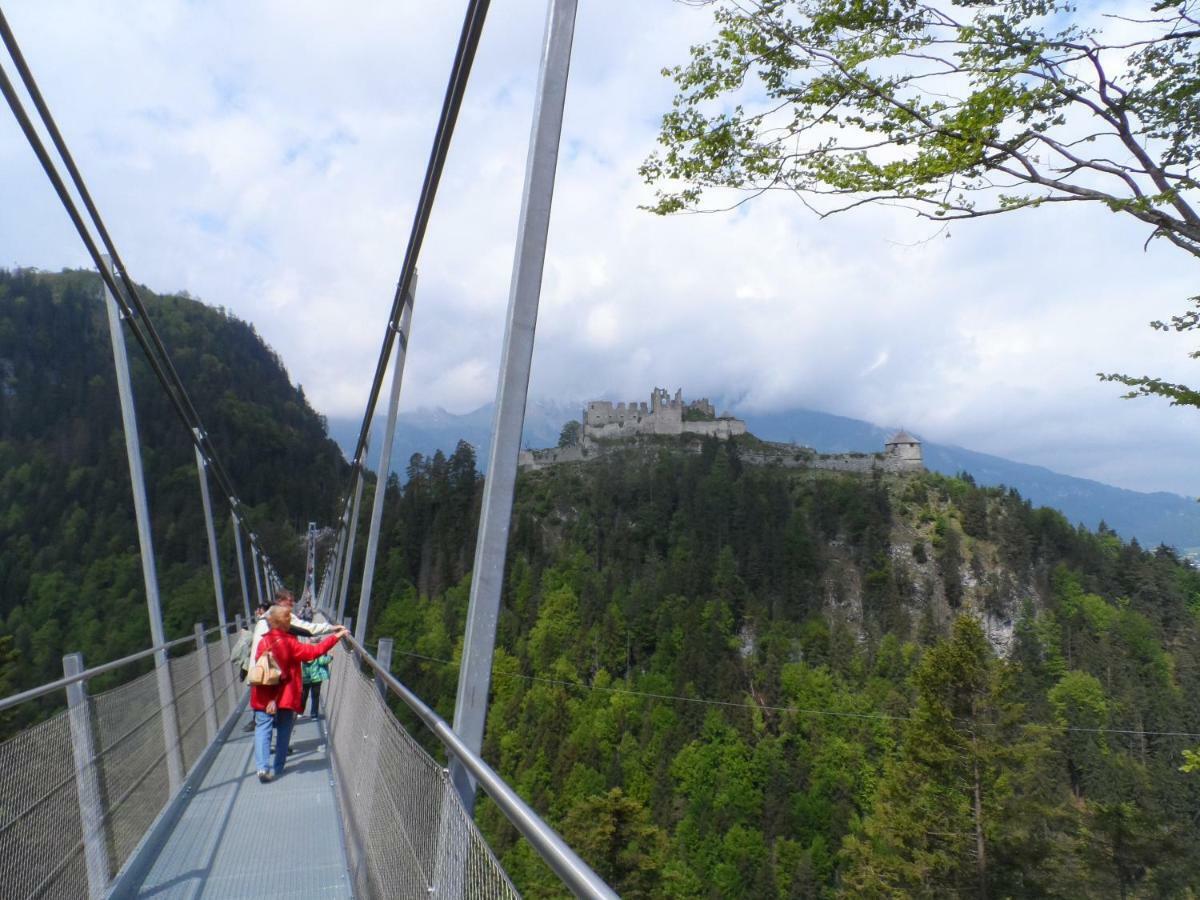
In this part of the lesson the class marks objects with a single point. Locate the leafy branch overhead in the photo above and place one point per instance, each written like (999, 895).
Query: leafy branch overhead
(954, 109)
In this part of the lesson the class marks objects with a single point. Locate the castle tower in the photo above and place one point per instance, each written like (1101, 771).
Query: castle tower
(904, 452)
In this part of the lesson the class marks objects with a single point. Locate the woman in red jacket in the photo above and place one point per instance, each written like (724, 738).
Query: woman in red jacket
(276, 705)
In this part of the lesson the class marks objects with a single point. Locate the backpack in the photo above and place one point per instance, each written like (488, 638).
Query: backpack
(240, 654)
(265, 672)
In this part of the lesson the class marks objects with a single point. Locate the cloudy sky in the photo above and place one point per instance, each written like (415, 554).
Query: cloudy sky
(267, 156)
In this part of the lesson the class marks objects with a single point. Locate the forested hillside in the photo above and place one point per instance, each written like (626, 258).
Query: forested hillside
(717, 680)
(70, 577)
(728, 681)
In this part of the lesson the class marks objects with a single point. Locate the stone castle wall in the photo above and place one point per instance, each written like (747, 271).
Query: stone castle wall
(859, 463)
(544, 459)
(722, 429)
(785, 455)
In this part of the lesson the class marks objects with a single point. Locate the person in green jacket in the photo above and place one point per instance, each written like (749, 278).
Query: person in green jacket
(315, 674)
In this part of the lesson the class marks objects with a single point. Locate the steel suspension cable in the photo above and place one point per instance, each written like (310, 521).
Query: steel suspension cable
(124, 292)
(464, 57)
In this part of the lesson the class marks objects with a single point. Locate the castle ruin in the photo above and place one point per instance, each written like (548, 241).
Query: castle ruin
(603, 420)
(605, 423)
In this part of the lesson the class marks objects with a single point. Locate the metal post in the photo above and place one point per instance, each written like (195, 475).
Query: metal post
(214, 557)
(385, 465)
(308, 593)
(87, 781)
(239, 623)
(348, 562)
(487, 579)
(384, 657)
(206, 685)
(339, 556)
(254, 567)
(166, 697)
(237, 545)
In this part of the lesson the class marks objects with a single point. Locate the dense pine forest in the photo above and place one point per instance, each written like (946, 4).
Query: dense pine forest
(715, 679)
(728, 681)
(70, 576)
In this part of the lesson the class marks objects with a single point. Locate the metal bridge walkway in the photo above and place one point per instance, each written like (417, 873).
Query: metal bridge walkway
(239, 838)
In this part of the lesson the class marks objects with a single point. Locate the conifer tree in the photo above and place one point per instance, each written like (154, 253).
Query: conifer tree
(953, 807)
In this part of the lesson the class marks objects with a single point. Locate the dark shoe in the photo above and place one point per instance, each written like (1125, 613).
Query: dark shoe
(290, 751)
(264, 776)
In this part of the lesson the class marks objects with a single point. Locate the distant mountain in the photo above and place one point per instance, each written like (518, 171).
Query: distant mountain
(1153, 519)
(1157, 518)
(428, 430)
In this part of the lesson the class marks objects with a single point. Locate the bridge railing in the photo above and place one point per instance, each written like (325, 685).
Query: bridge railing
(82, 789)
(407, 832)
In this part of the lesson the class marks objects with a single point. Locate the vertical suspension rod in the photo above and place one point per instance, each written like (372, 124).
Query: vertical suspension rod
(385, 465)
(351, 535)
(487, 580)
(257, 569)
(241, 563)
(214, 556)
(141, 508)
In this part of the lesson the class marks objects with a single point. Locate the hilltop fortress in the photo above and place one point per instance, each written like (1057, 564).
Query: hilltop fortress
(605, 425)
(664, 415)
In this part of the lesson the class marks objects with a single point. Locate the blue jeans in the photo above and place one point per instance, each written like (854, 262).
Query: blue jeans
(263, 723)
(282, 721)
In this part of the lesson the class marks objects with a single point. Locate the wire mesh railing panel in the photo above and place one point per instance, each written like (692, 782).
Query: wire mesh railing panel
(407, 833)
(224, 683)
(41, 839)
(186, 676)
(472, 857)
(133, 771)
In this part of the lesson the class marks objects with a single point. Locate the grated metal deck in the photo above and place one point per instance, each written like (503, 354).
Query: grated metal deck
(223, 845)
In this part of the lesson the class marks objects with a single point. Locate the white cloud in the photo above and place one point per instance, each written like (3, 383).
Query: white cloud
(267, 157)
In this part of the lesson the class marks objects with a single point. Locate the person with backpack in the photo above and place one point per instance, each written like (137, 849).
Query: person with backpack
(315, 674)
(276, 681)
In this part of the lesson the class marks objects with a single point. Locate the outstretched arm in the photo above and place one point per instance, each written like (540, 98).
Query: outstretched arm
(311, 628)
(309, 652)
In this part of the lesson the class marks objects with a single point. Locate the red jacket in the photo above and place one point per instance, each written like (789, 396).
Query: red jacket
(289, 654)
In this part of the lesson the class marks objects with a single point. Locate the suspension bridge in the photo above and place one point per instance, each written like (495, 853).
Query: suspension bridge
(148, 789)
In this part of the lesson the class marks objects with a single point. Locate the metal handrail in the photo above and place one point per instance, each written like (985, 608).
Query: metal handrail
(565, 862)
(51, 687)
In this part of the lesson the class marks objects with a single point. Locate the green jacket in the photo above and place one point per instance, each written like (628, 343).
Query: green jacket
(318, 670)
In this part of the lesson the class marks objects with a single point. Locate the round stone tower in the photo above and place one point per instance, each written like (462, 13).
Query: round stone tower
(903, 452)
